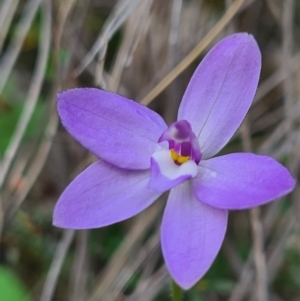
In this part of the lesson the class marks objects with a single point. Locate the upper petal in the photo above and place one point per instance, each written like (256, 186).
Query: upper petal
(191, 235)
(116, 129)
(241, 180)
(221, 91)
(102, 195)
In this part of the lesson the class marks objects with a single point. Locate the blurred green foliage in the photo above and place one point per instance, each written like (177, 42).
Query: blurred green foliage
(10, 113)
(11, 288)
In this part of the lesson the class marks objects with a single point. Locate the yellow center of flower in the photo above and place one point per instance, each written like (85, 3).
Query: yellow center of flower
(178, 158)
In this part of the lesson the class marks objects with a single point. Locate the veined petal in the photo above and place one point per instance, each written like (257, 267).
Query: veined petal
(241, 181)
(221, 91)
(191, 235)
(114, 128)
(102, 195)
(165, 174)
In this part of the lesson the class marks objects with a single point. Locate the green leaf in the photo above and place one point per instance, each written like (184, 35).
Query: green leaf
(11, 288)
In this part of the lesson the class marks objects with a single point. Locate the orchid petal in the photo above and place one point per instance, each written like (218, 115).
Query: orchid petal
(191, 235)
(114, 128)
(165, 174)
(102, 195)
(241, 181)
(221, 91)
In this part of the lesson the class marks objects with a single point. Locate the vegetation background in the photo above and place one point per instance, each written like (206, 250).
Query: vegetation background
(146, 50)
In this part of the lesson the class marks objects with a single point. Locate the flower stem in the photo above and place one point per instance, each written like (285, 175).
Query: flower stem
(176, 292)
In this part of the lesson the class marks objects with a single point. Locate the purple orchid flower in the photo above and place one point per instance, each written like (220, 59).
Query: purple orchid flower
(141, 157)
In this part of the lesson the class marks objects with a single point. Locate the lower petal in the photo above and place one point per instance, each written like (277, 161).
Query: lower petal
(165, 173)
(191, 235)
(102, 195)
(241, 181)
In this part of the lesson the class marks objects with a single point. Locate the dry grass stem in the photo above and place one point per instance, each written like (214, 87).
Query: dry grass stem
(203, 44)
(7, 11)
(33, 93)
(10, 56)
(58, 259)
(120, 14)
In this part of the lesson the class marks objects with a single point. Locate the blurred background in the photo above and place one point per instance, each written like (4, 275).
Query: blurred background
(146, 50)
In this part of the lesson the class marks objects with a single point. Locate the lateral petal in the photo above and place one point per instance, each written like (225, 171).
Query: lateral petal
(221, 91)
(114, 128)
(191, 235)
(103, 195)
(241, 181)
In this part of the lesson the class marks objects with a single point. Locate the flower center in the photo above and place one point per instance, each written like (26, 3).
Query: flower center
(183, 143)
(177, 158)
